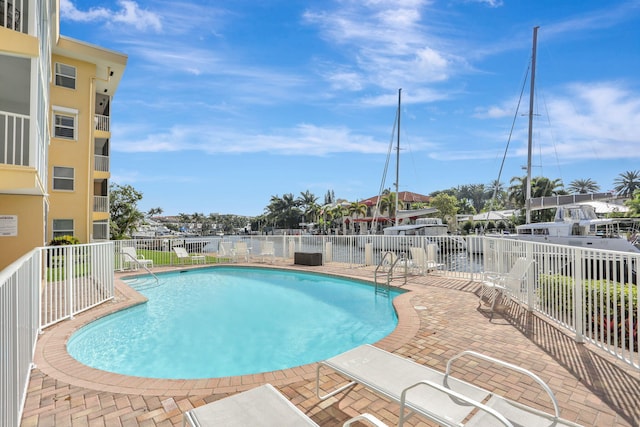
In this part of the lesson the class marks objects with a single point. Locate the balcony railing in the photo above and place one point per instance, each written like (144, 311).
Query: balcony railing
(101, 122)
(101, 163)
(14, 139)
(100, 231)
(10, 14)
(101, 203)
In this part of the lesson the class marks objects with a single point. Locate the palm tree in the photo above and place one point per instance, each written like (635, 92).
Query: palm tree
(388, 204)
(627, 183)
(540, 187)
(517, 191)
(338, 212)
(497, 194)
(308, 202)
(583, 186)
(355, 210)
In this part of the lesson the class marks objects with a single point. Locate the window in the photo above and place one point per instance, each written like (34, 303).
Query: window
(63, 178)
(62, 227)
(65, 76)
(64, 126)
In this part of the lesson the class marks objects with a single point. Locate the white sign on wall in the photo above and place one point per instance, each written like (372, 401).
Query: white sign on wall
(8, 225)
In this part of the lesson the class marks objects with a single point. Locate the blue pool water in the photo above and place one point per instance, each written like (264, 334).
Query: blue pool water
(227, 321)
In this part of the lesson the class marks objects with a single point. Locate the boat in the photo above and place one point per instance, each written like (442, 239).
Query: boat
(412, 224)
(575, 223)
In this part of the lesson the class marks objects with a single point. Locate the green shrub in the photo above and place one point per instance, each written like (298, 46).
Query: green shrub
(607, 305)
(64, 240)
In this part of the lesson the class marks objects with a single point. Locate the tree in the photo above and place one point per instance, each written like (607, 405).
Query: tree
(497, 194)
(329, 198)
(627, 183)
(540, 187)
(634, 205)
(476, 193)
(284, 212)
(123, 208)
(388, 204)
(447, 205)
(583, 186)
(154, 211)
(355, 210)
(307, 201)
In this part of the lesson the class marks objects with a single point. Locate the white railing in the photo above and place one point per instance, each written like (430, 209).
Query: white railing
(101, 163)
(14, 139)
(101, 203)
(41, 288)
(101, 122)
(592, 293)
(100, 231)
(19, 324)
(11, 15)
(76, 278)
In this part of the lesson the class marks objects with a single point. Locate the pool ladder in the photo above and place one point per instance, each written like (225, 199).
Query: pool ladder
(392, 262)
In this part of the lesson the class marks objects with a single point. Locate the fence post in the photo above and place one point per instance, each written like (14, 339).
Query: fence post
(531, 277)
(69, 261)
(578, 299)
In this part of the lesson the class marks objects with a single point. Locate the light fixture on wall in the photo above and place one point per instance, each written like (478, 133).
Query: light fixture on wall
(111, 73)
(105, 91)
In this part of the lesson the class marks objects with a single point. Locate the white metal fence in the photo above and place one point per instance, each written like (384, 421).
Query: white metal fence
(41, 288)
(592, 293)
(76, 278)
(19, 324)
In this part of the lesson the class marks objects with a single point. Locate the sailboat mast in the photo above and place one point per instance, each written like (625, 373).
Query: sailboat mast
(398, 158)
(527, 201)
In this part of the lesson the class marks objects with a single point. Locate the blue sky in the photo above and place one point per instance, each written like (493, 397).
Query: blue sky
(225, 104)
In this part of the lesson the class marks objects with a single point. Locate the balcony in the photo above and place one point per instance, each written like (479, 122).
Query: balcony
(101, 163)
(10, 15)
(101, 203)
(101, 122)
(100, 230)
(14, 139)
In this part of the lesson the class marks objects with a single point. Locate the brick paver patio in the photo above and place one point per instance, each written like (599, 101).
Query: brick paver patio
(438, 318)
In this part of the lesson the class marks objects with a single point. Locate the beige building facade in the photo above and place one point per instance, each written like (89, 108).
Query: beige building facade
(55, 130)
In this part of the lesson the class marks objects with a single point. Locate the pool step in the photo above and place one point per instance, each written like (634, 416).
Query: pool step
(142, 283)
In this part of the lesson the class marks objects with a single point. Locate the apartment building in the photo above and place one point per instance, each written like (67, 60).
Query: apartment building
(55, 130)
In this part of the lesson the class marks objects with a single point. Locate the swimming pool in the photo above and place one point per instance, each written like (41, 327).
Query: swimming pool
(227, 321)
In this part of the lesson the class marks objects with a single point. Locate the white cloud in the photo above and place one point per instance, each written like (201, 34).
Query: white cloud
(129, 13)
(303, 139)
(388, 42)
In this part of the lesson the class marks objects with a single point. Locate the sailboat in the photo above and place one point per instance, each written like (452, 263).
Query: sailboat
(422, 226)
(412, 234)
(575, 223)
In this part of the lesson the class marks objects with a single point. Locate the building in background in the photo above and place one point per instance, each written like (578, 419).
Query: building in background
(55, 130)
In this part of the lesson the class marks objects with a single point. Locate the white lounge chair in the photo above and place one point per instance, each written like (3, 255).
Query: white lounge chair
(183, 255)
(437, 396)
(240, 251)
(260, 406)
(267, 249)
(424, 261)
(225, 251)
(131, 260)
(503, 284)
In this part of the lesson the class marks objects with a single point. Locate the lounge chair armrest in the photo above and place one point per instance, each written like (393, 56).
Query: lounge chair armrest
(454, 395)
(365, 417)
(511, 366)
